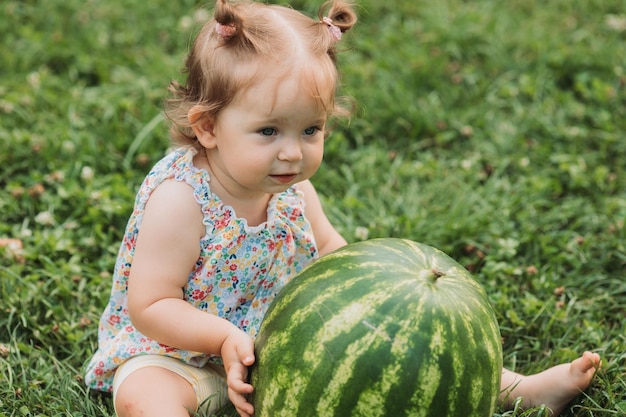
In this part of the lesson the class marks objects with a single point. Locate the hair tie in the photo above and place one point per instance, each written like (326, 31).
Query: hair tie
(225, 31)
(335, 32)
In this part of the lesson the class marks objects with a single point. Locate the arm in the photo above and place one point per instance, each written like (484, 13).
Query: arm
(166, 250)
(326, 236)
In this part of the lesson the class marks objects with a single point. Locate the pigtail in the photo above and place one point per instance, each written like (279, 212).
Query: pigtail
(243, 25)
(227, 23)
(340, 13)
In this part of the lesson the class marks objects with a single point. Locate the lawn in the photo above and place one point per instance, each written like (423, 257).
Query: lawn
(495, 131)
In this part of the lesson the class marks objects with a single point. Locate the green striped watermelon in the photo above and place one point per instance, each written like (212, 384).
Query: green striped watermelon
(386, 327)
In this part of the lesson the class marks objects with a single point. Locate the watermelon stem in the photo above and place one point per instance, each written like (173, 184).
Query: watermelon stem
(431, 274)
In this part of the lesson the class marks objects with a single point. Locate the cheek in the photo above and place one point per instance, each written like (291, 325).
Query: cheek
(320, 148)
(316, 154)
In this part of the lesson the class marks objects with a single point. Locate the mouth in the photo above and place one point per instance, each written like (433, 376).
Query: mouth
(284, 178)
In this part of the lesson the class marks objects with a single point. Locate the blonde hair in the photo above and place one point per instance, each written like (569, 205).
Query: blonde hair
(220, 66)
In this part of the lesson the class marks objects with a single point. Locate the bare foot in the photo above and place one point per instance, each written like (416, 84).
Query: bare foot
(554, 387)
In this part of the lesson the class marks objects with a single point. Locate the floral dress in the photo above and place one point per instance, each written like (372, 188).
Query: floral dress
(239, 271)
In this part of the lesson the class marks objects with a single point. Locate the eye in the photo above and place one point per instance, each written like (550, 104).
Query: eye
(310, 131)
(267, 131)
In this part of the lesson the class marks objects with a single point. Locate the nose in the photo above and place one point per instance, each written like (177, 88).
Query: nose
(290, 150)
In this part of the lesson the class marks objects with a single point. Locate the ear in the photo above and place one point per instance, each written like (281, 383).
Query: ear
(203, 126)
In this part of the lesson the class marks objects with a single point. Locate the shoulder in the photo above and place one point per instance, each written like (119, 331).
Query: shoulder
(172, 204)
(306, 190)
(172, 194)
(326, 236)
(309, 200)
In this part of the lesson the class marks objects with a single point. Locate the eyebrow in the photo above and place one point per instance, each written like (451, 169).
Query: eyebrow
(280, 120)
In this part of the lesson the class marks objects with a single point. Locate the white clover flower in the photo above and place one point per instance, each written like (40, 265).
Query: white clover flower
(44, 218)
(87, 174)
(185, 23)
(467, 131)
(34, 79)
(361, 233)
(68, 146)
(71, 225)
(615, 22)
(201, 16)
(524, 162)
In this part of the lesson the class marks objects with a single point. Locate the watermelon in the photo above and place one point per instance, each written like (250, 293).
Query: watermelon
(385, 327)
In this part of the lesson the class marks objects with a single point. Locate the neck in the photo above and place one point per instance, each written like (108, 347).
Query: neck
(249, 206)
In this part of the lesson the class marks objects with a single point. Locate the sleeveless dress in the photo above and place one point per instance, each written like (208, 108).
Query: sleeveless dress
(239, 271)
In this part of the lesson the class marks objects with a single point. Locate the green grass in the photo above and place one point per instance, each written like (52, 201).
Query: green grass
(492, 130)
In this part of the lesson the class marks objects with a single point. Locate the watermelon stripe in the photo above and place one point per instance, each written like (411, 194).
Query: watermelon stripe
(377, 331)
(383, 395)
(335, 397)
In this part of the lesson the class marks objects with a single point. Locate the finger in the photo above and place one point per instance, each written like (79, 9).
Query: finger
(239, 385)
(237, 372)
(246, 353)
(242, 406)
(242, 413)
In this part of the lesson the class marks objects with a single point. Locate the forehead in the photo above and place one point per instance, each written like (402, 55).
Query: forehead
(271, 85)
(279, 99)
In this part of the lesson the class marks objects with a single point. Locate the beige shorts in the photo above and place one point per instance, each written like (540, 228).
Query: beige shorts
(209, 382)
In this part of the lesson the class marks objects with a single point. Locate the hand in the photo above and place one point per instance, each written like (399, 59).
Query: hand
(238, 354)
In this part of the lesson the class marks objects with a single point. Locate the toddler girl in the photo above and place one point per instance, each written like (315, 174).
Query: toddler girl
(225, 220)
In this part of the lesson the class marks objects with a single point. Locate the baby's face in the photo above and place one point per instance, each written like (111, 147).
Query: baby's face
(268, 138)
